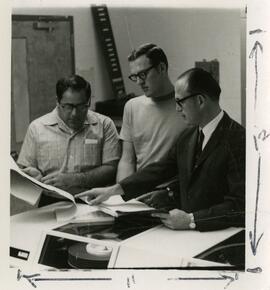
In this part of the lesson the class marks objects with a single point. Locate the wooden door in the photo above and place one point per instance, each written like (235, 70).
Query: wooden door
(42, 52)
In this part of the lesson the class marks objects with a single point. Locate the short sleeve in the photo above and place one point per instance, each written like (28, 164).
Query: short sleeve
(126, 129)
(27, 156)
(111, 143)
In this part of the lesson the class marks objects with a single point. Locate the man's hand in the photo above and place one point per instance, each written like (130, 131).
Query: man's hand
(176, 219)
(60, 180)
(33, 172)
(157, 199)
(97, 195)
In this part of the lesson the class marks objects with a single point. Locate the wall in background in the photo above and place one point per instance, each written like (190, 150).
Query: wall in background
(187, 35)
(88, 59)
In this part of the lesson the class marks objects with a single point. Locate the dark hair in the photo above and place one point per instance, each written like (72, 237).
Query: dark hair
(155, 54)
(201, 81)
(74, 82)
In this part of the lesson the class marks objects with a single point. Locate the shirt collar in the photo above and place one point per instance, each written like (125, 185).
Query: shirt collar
(211, 126)
(53, 118)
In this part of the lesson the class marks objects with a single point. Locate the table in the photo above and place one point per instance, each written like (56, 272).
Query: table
(157, 247)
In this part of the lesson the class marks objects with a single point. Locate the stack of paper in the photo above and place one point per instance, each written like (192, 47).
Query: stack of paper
(115, 206)
(91, 215)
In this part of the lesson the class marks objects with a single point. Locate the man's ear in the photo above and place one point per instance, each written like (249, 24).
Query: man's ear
(162, 67)
(201, 99)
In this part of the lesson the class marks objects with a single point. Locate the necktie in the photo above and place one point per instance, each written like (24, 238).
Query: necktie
(198, 150)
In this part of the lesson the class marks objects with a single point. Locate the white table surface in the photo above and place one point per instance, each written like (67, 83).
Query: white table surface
(157, 247)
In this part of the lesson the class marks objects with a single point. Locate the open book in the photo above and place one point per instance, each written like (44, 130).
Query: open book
(116, 206)
(29, 189)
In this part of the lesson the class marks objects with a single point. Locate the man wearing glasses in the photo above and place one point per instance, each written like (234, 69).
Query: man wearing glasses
(72, 147)
(150, 123)
(209, 158)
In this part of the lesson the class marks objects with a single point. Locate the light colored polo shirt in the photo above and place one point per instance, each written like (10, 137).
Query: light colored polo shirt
(51, 146)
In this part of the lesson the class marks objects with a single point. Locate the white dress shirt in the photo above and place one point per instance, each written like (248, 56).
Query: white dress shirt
(210, 128)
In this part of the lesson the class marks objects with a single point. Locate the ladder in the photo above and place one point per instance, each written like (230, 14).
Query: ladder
(106, 39)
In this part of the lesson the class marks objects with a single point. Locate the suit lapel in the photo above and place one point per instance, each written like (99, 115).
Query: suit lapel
(215, 139)
(188, 153)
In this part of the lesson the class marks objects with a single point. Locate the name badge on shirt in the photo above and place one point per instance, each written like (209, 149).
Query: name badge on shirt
(91, 141)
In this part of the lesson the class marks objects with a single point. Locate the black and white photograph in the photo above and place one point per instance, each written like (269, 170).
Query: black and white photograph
(138, 145)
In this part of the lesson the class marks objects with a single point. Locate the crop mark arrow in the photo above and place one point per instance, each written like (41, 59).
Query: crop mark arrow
(253, 235)
(36, 278)
(221, 277)
(254, 54)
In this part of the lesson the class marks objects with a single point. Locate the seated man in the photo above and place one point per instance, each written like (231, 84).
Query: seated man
(150, 123)
(209, 158)
(72, 147)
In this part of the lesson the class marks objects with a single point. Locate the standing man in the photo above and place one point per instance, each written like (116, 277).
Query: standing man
(209, 158)
(72, 147)
(150, 123)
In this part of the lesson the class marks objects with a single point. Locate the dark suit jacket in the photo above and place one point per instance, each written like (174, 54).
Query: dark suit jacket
(213, 190)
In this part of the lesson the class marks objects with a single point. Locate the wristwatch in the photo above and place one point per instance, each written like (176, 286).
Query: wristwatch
(192, 224)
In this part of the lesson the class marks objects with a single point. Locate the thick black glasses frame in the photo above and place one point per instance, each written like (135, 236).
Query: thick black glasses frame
(142, 75)
(180, 102)
(70, 107)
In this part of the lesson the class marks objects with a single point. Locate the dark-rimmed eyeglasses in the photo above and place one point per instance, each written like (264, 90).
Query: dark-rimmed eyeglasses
(79, 107)
(142, 75)
(180, 102)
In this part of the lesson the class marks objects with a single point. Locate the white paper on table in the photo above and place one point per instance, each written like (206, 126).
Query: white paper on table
(65, 211)
(91, 215)
(115, 205)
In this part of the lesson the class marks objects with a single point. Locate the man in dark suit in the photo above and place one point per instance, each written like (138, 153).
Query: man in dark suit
(209, 158)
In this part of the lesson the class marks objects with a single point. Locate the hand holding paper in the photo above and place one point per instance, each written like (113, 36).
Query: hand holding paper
(58, 179)
(33, 172)
(98, 195)
(176, 219)
(29, 189)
